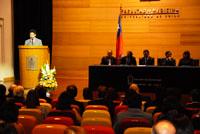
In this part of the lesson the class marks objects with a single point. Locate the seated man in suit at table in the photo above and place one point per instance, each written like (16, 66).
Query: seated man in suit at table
(109, 59)
(129, 59)
(168, 60)
(33, 41)
(186, 60)
(146, 60)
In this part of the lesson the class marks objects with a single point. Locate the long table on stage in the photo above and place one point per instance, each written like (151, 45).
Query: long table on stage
(149, 78)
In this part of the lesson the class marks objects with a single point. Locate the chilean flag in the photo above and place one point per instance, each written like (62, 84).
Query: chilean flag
(119, 45)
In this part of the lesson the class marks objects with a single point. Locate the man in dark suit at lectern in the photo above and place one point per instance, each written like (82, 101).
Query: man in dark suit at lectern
(33, 41)
(146, 60)
(109, 59)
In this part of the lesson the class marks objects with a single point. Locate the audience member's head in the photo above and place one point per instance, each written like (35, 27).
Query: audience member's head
(64, 102)
(11, 90)
(181, 122)
(32, 99)
(134, 87)
(71, 91)
(87, 93)
(41, 91)
(111, 94)
(19, 91)
(172, 91)
(171, 103)
(9, 112)
(133, 99)
(146, 53)
(101, 91)
(2, 90)
(186, 54)
(2, 94)
(195, 95)
(163, 127)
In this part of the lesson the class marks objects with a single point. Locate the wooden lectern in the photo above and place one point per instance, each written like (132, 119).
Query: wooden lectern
(31, 58)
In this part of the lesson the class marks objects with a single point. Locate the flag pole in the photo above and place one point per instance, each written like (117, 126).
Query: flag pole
(119, 43)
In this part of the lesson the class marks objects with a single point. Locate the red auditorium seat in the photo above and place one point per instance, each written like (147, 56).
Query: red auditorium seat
(120, 108)
(66, 113)
(19, 105)
(33, 112)
(96, 121)
(59, 120)
(28, 122)
(196, 131)
(191, 111)
(50, 129)
(133, 122)
(196, 121)
(99, 130)
(96, 113)
(42, 100)
(150, 109)
(54, 102)
(156, 116)
(96, 107)
(19, 127)
(138, 130)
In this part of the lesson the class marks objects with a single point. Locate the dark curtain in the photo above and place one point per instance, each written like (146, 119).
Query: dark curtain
(31, 14)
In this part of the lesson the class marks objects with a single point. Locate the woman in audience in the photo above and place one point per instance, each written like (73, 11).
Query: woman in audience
(71, 91)
(32, 101)
(42, 93)
(103, 99)
(146, 99)
(64, 103)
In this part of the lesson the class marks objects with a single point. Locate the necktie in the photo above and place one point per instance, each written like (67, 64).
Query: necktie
(128, 61)
(32, 41)
(145, 61)
(109, 61)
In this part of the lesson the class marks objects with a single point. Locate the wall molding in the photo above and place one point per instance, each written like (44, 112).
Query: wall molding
(2, 45)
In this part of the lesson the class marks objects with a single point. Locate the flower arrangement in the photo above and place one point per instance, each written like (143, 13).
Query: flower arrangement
(48, 79)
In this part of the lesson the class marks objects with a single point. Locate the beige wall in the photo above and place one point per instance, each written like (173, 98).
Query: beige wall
(83, 30)
(6, 51)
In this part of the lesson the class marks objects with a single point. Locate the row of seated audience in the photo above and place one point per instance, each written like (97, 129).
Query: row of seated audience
(173, 114)
(129, 59)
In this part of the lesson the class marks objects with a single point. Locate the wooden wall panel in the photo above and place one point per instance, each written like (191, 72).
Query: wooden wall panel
(85, 39)
(83, 30)
(81, 14)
